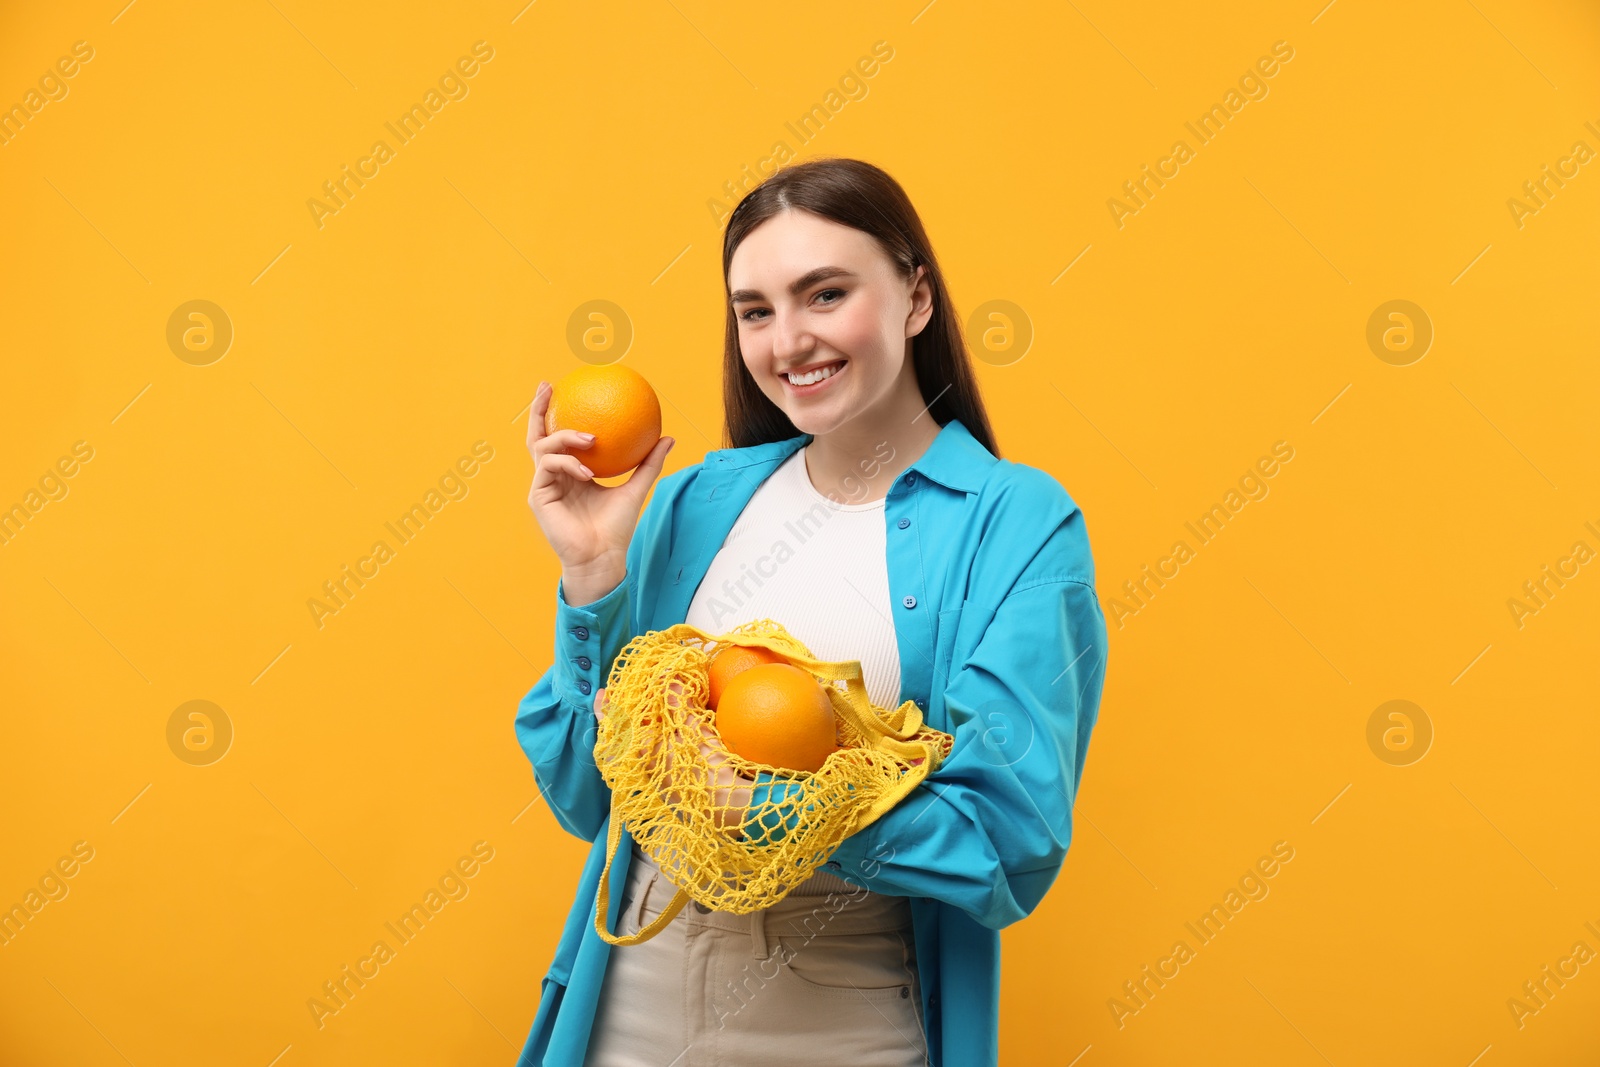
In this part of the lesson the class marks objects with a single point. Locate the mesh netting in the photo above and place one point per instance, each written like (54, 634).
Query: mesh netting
(649, 749)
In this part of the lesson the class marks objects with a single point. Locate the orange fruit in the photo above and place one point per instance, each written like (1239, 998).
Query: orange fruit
(732, 661)
(777, 714)
(614, 403)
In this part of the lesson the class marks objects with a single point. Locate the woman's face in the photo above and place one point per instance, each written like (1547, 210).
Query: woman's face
(809, 293)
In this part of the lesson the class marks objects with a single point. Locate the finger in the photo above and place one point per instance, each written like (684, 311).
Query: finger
(552, 444)
(536, 413)
(559, 463)
(599, 703)
(648, 470)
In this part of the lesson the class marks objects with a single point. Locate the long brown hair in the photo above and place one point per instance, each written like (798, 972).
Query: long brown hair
(856, 194)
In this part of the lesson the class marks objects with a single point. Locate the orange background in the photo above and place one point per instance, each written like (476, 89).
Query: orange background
(371, 754)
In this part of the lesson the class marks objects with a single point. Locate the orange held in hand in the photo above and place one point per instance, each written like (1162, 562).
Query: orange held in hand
(614, 403)
(777, 714)
(733, 661)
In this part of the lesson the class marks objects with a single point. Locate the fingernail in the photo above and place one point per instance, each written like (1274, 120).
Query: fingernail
(587, 473)
(586, 436)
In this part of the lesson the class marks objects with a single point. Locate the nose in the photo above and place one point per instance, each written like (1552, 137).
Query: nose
(790, 338)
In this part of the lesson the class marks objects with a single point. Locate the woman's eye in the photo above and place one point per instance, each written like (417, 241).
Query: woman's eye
(750, 315)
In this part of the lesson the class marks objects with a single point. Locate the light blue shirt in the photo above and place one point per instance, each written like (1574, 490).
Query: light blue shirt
(1002, 644)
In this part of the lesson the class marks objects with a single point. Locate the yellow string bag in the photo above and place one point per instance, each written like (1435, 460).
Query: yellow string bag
(656, 707)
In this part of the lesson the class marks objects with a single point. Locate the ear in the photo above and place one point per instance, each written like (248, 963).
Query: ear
(921, 302)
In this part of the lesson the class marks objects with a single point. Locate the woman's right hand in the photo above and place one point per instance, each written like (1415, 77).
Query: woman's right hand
(730, 789)
(587, 524)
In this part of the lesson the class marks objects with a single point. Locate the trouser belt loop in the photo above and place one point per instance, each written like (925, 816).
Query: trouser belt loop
(758, 933)
(644, 897)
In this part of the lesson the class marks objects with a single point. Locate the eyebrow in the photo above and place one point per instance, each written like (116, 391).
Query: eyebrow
(798, 286)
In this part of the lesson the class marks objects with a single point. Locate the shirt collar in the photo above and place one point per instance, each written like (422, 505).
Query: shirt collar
(955, 459)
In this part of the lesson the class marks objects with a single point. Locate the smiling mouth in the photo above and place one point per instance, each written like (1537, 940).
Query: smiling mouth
(819, 374)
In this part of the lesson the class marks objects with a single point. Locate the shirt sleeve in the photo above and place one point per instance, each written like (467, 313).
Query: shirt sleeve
(988, 830)
(555, 720)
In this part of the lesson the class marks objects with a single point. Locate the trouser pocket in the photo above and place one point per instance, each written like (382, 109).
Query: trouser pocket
(849, 998)
(871, 966)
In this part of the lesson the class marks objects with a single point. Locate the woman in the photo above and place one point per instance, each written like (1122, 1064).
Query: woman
(863, 507)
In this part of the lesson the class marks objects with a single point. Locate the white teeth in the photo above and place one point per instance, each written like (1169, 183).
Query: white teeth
(816, 375)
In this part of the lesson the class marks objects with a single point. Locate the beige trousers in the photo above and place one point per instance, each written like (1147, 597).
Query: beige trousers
(826, 976)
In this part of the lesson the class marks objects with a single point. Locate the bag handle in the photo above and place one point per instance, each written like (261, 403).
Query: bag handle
(603, 901)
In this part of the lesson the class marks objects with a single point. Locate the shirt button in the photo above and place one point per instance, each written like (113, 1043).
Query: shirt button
(583, 686)
(581, 633)
(585, 662)
(911, 479)
(832, 865)
(904, 523)
(909, 601)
